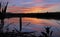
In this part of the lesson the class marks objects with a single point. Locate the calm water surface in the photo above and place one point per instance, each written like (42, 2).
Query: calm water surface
(33, 24)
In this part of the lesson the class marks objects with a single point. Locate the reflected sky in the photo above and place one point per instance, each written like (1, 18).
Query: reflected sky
(33, 24)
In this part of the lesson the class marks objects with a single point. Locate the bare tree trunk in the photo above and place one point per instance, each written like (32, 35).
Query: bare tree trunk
(20, 23)
(2, 25)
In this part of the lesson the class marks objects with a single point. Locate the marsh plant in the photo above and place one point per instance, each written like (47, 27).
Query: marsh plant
(48, 32)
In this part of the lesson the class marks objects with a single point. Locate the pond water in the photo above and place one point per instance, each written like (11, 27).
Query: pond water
(33, 24)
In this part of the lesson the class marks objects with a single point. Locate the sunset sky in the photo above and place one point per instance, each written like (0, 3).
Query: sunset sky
(33, 6)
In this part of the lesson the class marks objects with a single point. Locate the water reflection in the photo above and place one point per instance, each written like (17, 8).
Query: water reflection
(31, 23)
(42, 22)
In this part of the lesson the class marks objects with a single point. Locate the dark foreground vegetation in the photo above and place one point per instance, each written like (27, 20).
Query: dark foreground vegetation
(46, 33)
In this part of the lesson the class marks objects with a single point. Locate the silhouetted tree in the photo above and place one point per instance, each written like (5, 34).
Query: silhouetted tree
(3, 11)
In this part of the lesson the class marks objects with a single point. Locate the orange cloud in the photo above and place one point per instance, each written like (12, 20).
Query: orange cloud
(35, 9)
(53, 7)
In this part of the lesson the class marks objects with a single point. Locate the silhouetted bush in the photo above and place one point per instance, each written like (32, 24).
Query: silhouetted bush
(47, 33)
